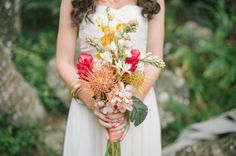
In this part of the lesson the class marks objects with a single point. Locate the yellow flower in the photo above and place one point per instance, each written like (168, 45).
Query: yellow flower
(98, 56)
(112, 36)
(135, 79)
(99, 21)
(119, 26)
(105, 29)
(107, 38)
(110, 16)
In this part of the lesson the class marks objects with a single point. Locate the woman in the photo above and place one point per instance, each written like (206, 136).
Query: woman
(86, 129)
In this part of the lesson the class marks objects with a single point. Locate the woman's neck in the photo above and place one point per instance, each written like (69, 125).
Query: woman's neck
(117, 3)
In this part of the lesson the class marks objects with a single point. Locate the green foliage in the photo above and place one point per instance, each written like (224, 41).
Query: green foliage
(40, 15)
(139, 112)
(209, 68)
(16, 141)
(31, 60)
(172, 131)
(176, 106)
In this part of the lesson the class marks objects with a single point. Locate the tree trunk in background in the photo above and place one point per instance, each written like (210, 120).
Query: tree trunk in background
(17, 97)
(10, 24)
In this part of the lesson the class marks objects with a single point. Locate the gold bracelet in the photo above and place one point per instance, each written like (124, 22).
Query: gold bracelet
(74, 88)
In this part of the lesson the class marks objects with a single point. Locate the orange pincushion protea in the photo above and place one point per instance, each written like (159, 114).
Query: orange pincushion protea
(101, 80)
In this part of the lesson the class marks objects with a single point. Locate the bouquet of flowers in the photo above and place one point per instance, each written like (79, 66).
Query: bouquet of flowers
(115, 72)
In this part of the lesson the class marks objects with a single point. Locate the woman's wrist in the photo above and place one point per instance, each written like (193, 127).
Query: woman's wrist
(75, 88)
(139, 95)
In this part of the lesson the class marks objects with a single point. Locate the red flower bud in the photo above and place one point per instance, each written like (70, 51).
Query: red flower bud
(133, 60)
(84, 65)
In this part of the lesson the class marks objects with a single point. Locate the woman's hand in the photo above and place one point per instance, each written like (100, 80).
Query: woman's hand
(119, 133)
(86, 97)
(117, 125)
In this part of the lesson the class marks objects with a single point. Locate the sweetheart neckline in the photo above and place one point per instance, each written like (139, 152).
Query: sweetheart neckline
(118, 9)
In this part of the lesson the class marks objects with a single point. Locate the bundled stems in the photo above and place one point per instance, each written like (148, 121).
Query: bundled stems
(113, 149)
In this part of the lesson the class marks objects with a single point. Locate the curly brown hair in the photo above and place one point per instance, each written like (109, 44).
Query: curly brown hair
(82, 9)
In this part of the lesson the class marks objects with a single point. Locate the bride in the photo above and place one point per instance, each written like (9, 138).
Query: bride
(86, 131)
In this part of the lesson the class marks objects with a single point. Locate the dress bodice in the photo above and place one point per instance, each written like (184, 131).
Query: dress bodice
(124, 14)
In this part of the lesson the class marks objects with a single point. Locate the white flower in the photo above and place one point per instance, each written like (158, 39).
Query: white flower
(140, 66)
(107, 110)
(144, 55)
(128, 90)
(126, 36)
(124, 44)
(127, 44)
(126, 68)
(106, 56)
(121, 43)
(128, 53)
(100, 103)
(118, 35)
(122, 67)
(112, 47)
(100, 46)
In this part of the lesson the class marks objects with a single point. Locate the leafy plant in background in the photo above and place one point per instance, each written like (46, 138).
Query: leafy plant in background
(39, 15)
(209, 68)
(31, 60)
(16, 141)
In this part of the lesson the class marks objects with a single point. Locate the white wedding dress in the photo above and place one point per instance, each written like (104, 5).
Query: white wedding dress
(84, 135)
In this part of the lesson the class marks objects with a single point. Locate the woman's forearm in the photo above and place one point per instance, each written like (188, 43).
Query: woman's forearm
(67, 72)
(66, 44)
(155, 45)
(151, 75)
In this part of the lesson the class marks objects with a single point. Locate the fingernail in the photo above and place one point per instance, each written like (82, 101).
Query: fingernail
(118, 121)
(113, 127)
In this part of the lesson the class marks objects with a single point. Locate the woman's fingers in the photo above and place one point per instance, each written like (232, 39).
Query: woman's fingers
(120, 126)
(115, 128)
(125, 132)
(107, 124)
(102, 116)
(116, 116)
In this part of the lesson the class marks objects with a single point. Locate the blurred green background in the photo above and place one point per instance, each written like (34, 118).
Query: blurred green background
(207, 64)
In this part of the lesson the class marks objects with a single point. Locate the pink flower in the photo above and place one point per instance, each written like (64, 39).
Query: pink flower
(84, 65)
(120, 98)
(133, 60)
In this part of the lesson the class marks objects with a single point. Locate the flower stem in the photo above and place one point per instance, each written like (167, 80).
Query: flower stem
(113, 149)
